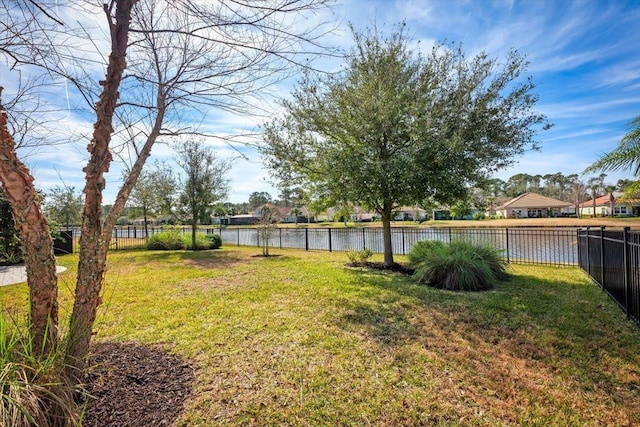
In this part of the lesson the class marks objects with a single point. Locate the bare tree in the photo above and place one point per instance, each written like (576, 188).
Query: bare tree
(267, 226)
(183, 58)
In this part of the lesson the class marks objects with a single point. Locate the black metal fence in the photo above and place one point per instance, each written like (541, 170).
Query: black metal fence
(612, 259)
(552, 246)
(555, 246)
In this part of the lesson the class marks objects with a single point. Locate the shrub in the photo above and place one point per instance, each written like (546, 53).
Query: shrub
(203, 241)
(170, 239)
(216, 241)
(359, 257)
(457, 266)
(479, 216)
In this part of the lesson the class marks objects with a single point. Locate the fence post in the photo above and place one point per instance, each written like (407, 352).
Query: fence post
(258, 235)
(579, 247)
(449, 235)
(306, 239)
(280, 230)
(115, 230)
(329, 231)
(238, 236)
(364, 240)
(602, 256)
(625, 251)
(506, 232)
(588, 251)
(404, 252)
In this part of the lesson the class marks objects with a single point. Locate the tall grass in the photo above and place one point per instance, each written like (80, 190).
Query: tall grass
(32, 389)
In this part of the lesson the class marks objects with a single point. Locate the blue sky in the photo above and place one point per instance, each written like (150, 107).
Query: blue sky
(584, 58)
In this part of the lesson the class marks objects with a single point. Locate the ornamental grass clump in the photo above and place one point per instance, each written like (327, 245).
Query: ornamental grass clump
(32, 389)
(457, 266)
(359, 258)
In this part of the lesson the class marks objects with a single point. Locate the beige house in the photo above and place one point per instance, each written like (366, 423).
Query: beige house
(532, 205)
(604, 204)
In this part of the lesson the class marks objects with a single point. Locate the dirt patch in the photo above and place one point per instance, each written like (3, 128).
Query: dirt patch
(396, 268)
(134, 385)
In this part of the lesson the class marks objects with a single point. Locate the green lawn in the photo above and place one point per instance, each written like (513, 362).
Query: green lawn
(300, 339)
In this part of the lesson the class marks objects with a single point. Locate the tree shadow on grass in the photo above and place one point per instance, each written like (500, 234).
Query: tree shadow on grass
(205, 258)
(135, 385)
(567, 327)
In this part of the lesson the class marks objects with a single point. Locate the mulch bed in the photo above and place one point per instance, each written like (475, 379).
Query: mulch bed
(397, 268)
(134, 385)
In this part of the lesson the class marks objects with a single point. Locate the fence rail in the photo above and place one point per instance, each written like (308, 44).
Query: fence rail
(612, 259)
(553, 246)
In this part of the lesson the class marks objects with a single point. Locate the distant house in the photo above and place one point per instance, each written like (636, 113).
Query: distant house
(603, 204)
(532, 205)
(296, 215)
(237, 220)
(410, 213)
(362, 215)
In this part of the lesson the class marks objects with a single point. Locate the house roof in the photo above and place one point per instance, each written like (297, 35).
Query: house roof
(533, 200)
(605, 201)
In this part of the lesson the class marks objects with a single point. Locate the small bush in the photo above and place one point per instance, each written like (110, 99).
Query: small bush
(167, 240)
(359, 257)
(203, 241)
(479, 216)
(457, 266)
(216, 241)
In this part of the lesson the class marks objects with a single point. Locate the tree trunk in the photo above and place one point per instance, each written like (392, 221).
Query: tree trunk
(36, 240)
(386, 235)
(194, 226)
(612, 203)
(144, 217)
(93, 244)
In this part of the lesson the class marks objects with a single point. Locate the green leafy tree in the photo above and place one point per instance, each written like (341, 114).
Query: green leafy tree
(64, 205)
(259, 198)
(518, 184)
(400, 128)
(9, 240)
(154, 191)
(205, 182)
